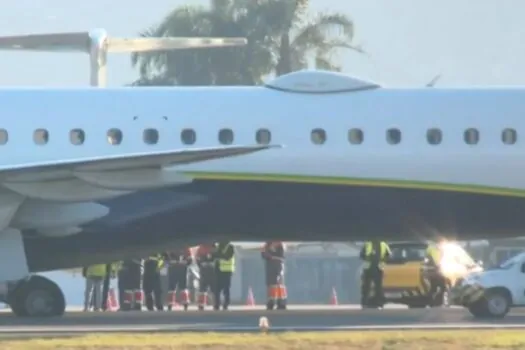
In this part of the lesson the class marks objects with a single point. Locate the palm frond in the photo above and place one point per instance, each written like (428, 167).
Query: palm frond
(322, 36)
(280, 39)
(325, 63)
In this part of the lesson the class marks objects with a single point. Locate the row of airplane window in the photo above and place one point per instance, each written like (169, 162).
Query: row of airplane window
(318, 136)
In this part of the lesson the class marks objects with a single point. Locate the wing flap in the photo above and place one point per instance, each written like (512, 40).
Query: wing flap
(119, 162)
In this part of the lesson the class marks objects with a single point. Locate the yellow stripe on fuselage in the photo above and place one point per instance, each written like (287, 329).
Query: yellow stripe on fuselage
(327, 180)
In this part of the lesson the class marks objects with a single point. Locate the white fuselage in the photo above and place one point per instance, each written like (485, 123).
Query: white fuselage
(290, 118)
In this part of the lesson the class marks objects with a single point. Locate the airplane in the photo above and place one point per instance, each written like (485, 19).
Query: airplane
(110, 173)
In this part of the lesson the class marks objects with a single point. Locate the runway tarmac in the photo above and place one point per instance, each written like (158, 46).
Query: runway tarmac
(246, 319)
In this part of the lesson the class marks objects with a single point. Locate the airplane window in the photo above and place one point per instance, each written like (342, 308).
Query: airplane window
(318, 136)
(226, 136)
(263, 136)
(150, 136)
(434, 136)
(393, 136)
(355, 136)
(77, 136)
(114, 136)
(4, 136)
(188, 136)
(41, 136)
(509, 136)
(471, 136)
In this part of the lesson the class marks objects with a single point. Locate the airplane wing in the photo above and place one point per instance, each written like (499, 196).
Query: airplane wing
(64, 169)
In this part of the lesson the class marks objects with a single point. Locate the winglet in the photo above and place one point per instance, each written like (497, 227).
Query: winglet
(98, 44)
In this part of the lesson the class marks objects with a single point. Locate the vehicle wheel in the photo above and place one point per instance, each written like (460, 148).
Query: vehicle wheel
(497, 302)
(37, 297)
(478, 309)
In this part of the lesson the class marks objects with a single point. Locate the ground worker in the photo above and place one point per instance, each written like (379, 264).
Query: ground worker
(178, 263)
(92, 300)
(434, 281)
(111, 272)
(105, 287)
(94, 275)
(130, 284)
(374, 253)
(433, 255)
(273, 254)
(206, 263)
(224, 255)
(105, 290)
(151, 282)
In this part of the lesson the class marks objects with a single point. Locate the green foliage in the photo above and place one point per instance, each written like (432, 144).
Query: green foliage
(281, 38)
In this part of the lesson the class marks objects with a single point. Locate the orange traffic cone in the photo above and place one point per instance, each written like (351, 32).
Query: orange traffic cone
(333, 298)
(250, 300)
(172, 302)
(112, 300)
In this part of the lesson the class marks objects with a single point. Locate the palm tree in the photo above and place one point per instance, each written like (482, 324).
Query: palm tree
(281, 39)
(156, 80)
(296, 37)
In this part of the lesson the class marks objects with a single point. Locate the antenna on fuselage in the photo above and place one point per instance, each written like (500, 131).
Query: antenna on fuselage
(97, 44)
(433, 81)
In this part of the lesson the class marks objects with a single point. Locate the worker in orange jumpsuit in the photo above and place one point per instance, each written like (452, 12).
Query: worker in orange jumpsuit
(206, 262)
(273, 255)
(178, 264)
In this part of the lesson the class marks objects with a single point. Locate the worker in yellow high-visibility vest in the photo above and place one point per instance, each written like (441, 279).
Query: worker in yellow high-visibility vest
(436, 283)
(374, 253)
(94, 275)
(224, 254)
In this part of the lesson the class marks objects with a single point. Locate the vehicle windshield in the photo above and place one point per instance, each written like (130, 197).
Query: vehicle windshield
(407, 252)
(511, 262)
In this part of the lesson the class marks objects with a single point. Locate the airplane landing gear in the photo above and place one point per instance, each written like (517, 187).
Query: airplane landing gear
(36, 296)
(27, 295)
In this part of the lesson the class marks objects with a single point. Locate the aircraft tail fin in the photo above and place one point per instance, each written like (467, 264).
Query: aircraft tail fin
(98, 44)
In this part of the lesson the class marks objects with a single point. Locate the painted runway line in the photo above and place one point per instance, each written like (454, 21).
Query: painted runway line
(321, 318)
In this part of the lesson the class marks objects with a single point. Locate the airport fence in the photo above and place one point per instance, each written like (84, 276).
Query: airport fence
(310, 279)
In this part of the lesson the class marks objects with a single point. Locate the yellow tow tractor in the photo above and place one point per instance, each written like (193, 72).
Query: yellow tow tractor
(411, 278)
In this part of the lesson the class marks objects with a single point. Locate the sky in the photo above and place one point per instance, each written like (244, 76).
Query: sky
(408, 41)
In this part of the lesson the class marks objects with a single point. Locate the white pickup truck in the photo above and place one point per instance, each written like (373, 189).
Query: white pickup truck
(492, 292)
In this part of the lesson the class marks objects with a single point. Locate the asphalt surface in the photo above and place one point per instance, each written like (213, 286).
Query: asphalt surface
(246, 319)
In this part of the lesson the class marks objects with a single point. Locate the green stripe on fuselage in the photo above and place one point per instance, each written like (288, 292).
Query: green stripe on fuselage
(345, 181)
